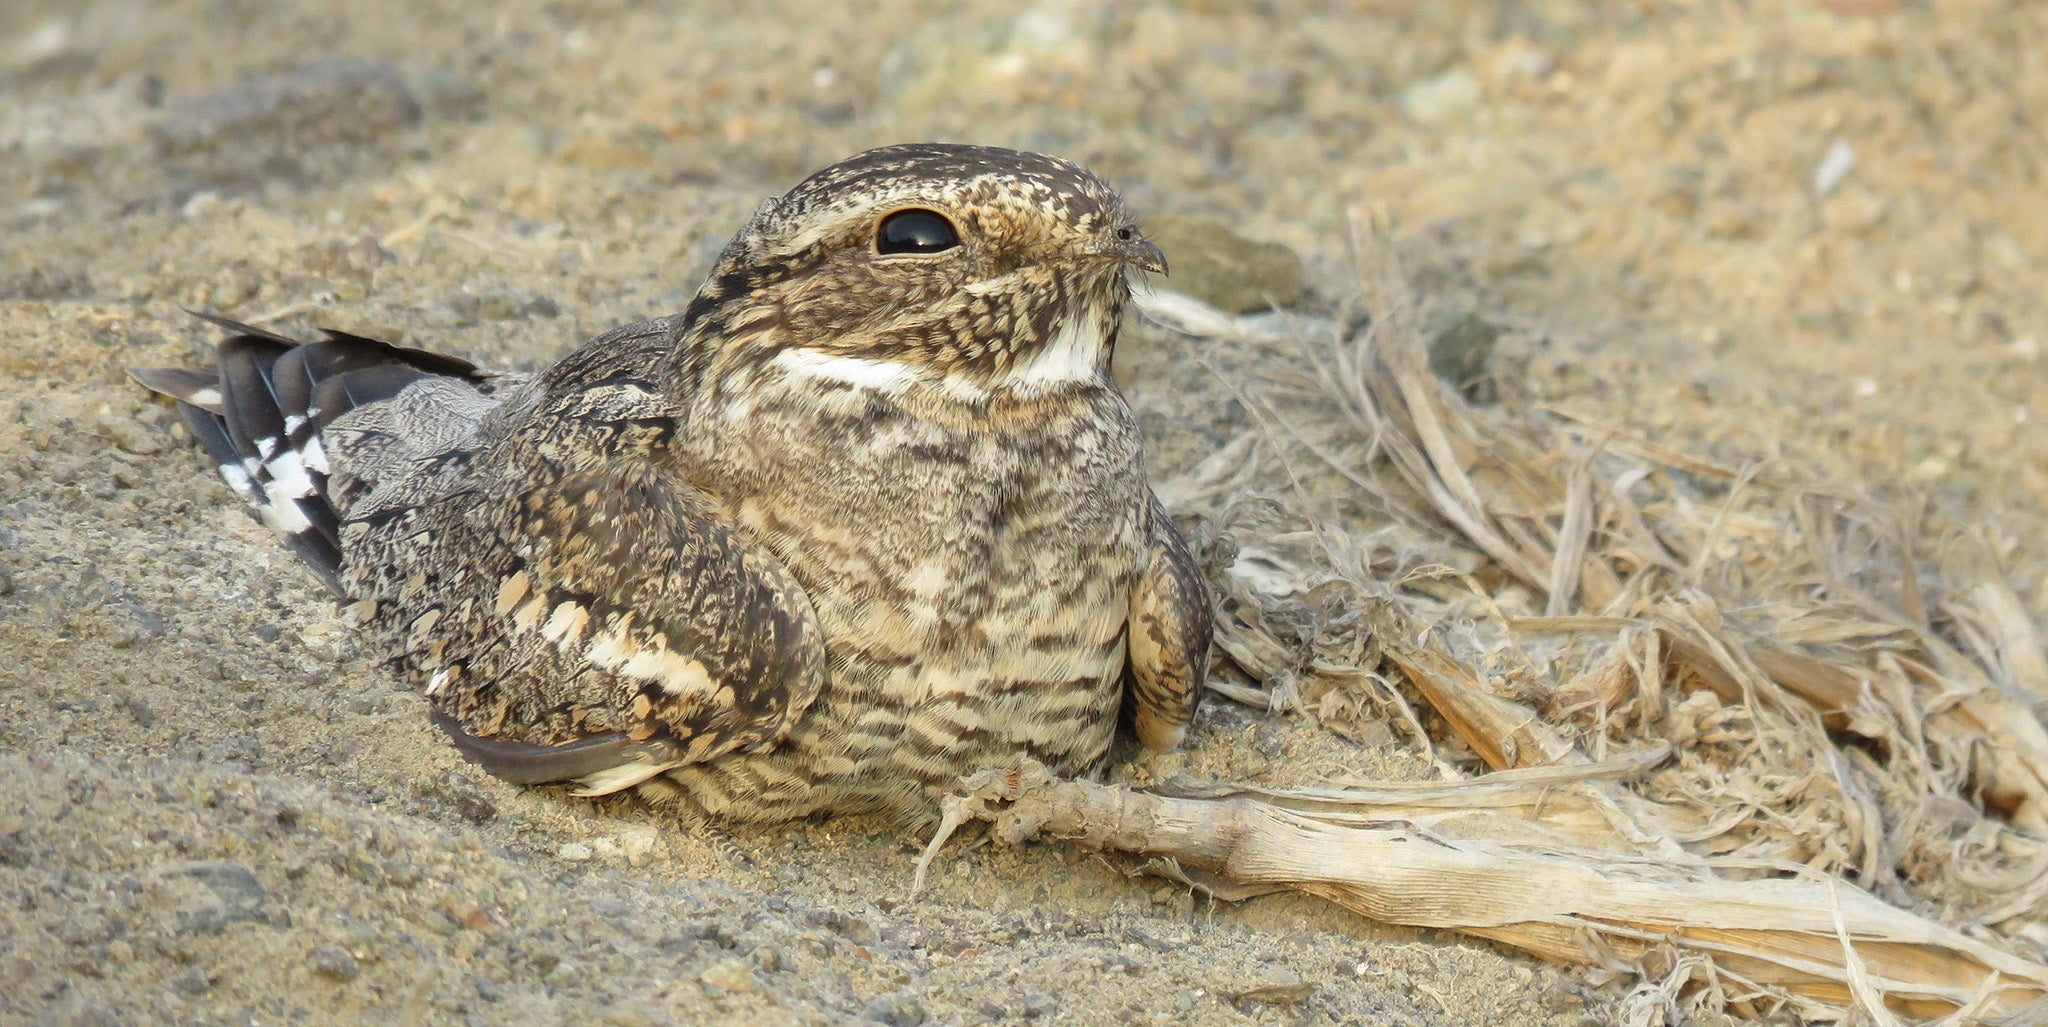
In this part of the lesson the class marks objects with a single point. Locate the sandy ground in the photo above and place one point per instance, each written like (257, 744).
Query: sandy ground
(1753, 232)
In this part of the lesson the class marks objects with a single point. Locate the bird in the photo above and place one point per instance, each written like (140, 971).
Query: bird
(868, 515)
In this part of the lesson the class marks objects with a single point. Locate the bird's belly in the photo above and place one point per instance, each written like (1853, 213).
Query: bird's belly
(911, 707)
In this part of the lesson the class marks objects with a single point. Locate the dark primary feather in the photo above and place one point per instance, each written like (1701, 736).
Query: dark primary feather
(248, 400)
(533, 763)
(180, 384)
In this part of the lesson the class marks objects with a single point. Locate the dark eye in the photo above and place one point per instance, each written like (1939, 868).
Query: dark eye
(915, 231)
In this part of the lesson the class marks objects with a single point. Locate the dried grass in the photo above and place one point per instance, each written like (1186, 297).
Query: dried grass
(1751, 745)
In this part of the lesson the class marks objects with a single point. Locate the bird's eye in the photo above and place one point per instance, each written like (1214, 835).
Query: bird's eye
(915, 231)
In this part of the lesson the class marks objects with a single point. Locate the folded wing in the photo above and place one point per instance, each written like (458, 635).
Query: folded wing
(1170, 630)
(637, 628)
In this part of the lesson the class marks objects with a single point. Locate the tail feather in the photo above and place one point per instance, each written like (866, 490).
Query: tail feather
(195, 387)
(211, 429)
(249, 401)
(259, 418)
(362, 387)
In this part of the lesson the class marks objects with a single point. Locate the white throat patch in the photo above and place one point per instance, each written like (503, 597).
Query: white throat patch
(1073, 355)
(860, 372)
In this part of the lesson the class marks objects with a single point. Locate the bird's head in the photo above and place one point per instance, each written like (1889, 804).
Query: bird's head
(970, 265)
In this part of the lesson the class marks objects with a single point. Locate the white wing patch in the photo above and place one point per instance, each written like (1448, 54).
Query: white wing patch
(282, 514)
(276, 480)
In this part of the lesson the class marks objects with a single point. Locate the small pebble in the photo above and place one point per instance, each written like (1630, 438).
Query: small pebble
(563, 971)
(896, 1009)
(637, 844)
(195, 981)
(729, 975)
(335, 963)
(1835, 166)
(1038, 1006)
(574, 852)
(77, 1012)
(231, 895)
(1443, 98)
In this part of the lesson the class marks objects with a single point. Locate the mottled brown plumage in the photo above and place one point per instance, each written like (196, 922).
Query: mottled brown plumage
(867, 516)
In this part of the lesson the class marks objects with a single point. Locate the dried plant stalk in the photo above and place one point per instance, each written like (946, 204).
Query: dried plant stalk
(1398, 863)
(1504, 734)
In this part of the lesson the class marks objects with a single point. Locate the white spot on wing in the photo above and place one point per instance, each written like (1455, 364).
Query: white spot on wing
(287, 477)
(529, 615)
(284, 516)
(314, 455)
(565, 625)
(931, 578)
(675, 673)
(273, 491)
(609, 650)
(511, 593)
(238, 479)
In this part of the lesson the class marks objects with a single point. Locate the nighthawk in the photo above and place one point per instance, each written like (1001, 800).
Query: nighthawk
(867, 516)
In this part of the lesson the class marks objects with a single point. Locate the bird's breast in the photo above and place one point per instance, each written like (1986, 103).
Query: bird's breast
(971, 569)
(946, 553)
(907, 527)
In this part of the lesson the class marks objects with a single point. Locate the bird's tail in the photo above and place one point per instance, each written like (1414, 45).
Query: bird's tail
(260, 418)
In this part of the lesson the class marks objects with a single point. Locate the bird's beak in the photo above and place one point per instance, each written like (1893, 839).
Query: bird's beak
(1125, 245)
